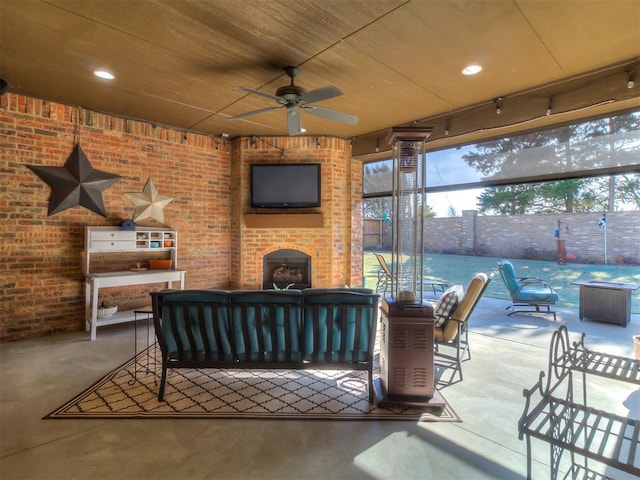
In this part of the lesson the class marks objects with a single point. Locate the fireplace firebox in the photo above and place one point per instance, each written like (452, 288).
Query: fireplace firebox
(286, 268)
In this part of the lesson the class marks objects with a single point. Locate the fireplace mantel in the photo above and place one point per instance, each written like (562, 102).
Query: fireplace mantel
(284, 220)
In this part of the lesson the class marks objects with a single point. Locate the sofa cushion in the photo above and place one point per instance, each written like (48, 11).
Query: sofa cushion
(266, 325)
(447, 304)
(536, 293)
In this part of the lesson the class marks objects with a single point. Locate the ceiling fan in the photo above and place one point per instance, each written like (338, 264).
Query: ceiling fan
(294, 98)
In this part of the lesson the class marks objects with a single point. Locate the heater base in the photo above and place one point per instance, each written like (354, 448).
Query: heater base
(437, 401)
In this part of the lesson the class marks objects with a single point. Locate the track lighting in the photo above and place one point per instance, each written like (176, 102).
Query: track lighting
(446, 130)
(549, 107)
(630, 82)
(497, 102)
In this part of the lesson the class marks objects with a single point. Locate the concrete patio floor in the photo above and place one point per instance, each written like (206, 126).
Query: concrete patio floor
(507, 355)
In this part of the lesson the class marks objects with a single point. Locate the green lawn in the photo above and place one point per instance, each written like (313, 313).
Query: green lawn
(454, 269)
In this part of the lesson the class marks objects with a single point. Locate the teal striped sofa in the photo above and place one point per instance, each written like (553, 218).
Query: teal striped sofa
(315, 328)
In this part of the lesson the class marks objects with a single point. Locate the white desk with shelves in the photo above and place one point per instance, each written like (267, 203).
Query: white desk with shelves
(112, 240)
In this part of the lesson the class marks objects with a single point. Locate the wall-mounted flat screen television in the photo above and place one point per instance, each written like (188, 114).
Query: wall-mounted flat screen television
(285, 185)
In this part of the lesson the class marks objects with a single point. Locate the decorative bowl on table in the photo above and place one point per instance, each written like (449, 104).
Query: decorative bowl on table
(104, 311)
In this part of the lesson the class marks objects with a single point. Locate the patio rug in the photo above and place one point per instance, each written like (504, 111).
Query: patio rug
(130, 391)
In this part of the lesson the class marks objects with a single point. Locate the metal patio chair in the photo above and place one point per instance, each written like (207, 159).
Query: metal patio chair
(527, 292)
(386, 279)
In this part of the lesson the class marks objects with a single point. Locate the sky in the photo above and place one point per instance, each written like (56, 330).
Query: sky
(460, 200)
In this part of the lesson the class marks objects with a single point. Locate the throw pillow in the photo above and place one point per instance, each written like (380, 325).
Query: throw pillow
(447, 304)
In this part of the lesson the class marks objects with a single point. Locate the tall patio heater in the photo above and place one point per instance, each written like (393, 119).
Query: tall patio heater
(407, 324)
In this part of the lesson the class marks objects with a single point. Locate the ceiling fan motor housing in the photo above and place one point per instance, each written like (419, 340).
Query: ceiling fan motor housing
(290, 92)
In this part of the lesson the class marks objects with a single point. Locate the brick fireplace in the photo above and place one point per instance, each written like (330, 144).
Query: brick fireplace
(286, 268)
(328, 237)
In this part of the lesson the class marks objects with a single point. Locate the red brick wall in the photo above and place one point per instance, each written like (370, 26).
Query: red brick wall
(41, 276)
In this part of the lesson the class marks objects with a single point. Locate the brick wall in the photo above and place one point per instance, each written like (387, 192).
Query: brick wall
(41, 269)
(532, 236)
(41, 276)
(335, 246)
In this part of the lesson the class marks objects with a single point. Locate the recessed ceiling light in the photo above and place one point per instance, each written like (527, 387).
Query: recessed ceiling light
(104, 74)
(471, 69)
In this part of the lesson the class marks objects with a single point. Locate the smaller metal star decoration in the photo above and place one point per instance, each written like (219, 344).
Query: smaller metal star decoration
(77, 183)
(149, 203)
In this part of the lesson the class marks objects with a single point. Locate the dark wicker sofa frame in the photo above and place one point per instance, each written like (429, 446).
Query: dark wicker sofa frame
(317, 329)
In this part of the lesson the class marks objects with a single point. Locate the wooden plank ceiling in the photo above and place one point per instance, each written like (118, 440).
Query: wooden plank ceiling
(397, 62)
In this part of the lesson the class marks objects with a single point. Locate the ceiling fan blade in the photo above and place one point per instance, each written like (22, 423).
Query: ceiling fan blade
(331, 114)
(293, 121)
(262, 94)
(254, 112)
(320, 94)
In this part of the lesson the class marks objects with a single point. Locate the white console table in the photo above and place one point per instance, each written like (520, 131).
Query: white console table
(96, 281)
(109, 240)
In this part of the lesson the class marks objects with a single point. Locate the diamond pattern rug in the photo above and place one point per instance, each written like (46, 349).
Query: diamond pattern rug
(130, 391)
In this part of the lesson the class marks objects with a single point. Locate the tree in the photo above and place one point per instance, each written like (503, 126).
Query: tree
(376, 207)
(601, 143)
(568, 196)
(628, 189)
(428, 211)
(506, 200)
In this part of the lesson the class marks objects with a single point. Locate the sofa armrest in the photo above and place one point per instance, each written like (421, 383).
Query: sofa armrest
(192, 325)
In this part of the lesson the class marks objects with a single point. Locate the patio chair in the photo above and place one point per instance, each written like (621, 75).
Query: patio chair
(527, 292)
(384, 275)
(452, 334)
(386, 279)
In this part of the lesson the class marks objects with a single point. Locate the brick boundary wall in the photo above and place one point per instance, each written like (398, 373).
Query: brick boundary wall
(529, 236)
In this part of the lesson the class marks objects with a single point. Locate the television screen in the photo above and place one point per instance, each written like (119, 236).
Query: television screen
(285, 185)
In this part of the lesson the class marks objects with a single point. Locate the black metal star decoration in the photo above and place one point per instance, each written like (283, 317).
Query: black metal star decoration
(77, 183)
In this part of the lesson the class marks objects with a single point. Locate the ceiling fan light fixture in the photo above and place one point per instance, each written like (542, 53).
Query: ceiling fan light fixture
(104, 74)
(472, 69)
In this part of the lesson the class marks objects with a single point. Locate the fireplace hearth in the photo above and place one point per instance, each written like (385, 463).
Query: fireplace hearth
(286, 268)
